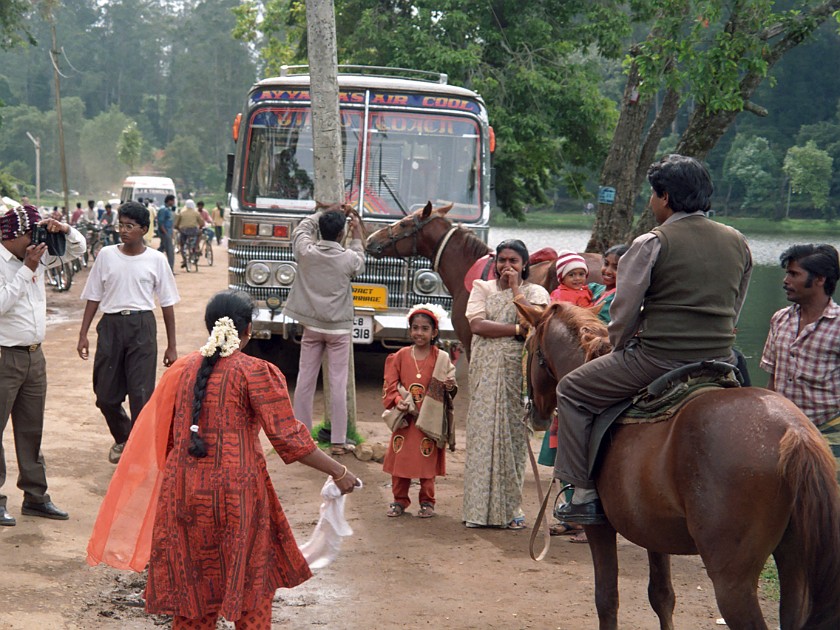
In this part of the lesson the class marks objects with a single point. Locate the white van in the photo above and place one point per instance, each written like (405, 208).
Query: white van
(137, 187)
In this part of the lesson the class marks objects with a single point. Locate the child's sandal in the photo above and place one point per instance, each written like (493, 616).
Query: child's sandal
(395, 509)
(427, 510)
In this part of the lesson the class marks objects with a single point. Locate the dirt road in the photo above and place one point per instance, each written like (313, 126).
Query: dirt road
(392, 573)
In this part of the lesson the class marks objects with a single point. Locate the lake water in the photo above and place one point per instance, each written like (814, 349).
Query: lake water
(764, 298)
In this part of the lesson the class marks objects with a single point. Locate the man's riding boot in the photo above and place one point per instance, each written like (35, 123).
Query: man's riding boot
(584, 508)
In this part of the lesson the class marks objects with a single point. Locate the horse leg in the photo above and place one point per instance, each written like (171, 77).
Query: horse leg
(661, 590)
(602, 545)
(736, 581)
(792, 583)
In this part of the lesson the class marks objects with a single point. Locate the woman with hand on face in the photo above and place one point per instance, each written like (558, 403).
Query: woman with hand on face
(497, 438)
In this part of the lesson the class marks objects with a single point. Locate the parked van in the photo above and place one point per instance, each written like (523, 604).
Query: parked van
(138, 187)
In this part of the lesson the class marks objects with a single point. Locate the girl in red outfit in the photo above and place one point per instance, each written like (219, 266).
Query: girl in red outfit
(424, 373)
(572, 273)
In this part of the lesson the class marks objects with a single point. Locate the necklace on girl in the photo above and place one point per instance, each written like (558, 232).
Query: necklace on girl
(417, 367)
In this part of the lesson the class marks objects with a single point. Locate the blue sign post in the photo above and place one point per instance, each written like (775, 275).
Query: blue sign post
(606, 195)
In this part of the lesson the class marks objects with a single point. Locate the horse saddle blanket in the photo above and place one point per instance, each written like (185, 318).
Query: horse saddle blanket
(663, 398)
(485, 268)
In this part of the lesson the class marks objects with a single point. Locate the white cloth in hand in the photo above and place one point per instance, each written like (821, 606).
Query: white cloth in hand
(324, 544)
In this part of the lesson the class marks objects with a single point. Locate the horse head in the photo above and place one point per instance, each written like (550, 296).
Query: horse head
(564, 337)
(408, 237)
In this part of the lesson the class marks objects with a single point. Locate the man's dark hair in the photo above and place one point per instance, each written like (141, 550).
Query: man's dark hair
(817, 260)
(331, 224)
(687, 182)
(519, 247)
(168, 198)
(91, 203)
(136, 212)
(79, 204)
(199, 204)
(107, 206)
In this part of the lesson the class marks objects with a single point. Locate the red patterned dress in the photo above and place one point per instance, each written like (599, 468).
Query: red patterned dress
(221, 542)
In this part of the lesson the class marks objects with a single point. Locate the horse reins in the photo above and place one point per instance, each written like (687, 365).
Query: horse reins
(418, 225)
(441, 245)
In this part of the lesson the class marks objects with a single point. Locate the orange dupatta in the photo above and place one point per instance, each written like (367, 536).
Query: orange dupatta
(122, 534)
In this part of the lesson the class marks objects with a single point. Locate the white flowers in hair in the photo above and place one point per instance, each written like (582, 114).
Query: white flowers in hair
(223, 336)
(438, 312)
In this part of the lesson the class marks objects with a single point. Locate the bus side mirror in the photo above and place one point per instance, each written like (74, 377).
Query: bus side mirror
(229, 174)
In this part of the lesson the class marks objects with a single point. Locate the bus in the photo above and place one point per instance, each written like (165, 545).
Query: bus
(408, 137)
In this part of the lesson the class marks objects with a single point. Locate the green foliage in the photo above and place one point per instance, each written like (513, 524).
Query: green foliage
(183, 162)
(10, 186)
(755, 166)
(535, 62)
(98, 144)
(809, 169)
(129, 145)
(14, 29)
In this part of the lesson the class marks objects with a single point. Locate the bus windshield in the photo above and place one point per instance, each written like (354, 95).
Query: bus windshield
(412, 158)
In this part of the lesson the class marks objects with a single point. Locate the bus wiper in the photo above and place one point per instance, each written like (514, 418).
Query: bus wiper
(384, 179)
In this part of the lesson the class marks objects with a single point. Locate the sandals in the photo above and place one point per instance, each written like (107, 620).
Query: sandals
(580, 538)
(341, 449)
(427, 510)
(394, 510)
(518, 522)
(564, 529)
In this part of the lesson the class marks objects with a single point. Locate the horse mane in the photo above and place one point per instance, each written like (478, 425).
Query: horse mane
(473, 246)
(582, 323)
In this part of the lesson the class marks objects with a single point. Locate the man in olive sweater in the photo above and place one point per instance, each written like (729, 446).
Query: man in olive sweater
(680, 290)
(321, 299)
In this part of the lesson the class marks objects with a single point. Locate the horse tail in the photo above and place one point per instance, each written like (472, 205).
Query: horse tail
(807, 465)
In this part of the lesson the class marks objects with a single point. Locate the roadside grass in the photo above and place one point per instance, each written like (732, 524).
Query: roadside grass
(768, 581)
(549, 219)
(321, 434)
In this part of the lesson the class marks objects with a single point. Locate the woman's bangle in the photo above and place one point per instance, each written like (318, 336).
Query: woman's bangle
(342, 476)
(517, 330)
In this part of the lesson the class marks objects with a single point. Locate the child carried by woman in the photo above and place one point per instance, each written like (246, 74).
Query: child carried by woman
(417, 394)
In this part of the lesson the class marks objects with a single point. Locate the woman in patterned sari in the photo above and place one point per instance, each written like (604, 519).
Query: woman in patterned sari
(497, 439)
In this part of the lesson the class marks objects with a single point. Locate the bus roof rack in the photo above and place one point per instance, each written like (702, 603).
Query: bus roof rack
(378, 71)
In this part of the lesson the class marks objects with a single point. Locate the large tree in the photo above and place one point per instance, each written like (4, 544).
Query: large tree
(535, 63)
(708, 54)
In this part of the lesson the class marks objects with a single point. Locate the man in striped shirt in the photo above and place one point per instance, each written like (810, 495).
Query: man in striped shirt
(802, 352)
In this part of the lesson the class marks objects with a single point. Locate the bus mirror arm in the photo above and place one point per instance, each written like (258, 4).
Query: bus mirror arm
(229, 173)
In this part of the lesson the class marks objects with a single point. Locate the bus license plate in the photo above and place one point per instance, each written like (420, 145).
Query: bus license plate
(362, 329)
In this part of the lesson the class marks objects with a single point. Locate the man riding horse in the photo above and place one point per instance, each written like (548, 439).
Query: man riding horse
(680, 290)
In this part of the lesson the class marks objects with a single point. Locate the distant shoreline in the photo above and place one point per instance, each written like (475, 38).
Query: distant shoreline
(548, 219)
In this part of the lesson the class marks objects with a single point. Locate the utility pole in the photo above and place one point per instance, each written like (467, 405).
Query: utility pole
(326, 139)
(37, 143)
(54, 58)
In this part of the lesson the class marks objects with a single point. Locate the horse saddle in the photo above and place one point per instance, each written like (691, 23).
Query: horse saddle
(663, 398)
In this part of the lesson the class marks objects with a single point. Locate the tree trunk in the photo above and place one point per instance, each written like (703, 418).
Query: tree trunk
(326, 142)
(614, 220)
(326, 123)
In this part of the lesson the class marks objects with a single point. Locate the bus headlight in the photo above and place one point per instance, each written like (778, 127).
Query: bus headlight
(285, 275)
(426, 282)
(257, 273)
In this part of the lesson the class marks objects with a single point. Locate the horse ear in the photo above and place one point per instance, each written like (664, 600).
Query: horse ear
(444, 209)
(532, 314)
(427, 210)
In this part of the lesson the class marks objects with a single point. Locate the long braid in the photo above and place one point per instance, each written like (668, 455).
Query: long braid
(198, 447)
(227, 317)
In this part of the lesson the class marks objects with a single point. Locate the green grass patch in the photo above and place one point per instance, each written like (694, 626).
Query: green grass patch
(768, 581)
(324, 427)
(545, 219)
(756, 225)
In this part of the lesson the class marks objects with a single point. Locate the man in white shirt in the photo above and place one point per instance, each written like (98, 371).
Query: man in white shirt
(123, 283)
(23, 374)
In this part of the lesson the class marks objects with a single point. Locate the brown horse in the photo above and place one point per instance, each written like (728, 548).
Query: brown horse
(453, 250)
(735, 475)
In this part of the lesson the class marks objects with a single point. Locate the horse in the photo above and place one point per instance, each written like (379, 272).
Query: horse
(453, 250)
(737, 474)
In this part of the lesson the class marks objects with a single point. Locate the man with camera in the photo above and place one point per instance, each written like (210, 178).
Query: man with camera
(24, 257)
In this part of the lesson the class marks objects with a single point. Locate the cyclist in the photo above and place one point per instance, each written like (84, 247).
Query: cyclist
(188, 222)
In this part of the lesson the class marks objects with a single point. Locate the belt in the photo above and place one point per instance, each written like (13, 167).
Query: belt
(128, 312)
(30, 348)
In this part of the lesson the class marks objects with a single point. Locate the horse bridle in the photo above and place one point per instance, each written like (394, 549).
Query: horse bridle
(543, 362)
(413, 231)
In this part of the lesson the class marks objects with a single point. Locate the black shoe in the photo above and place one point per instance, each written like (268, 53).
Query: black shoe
(590, 513)
(45, 510)
(6, 519)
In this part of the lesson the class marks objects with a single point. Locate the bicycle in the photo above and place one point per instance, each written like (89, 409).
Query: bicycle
(206, 245)
(61, 276)
(92, 232)
(189, 251)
